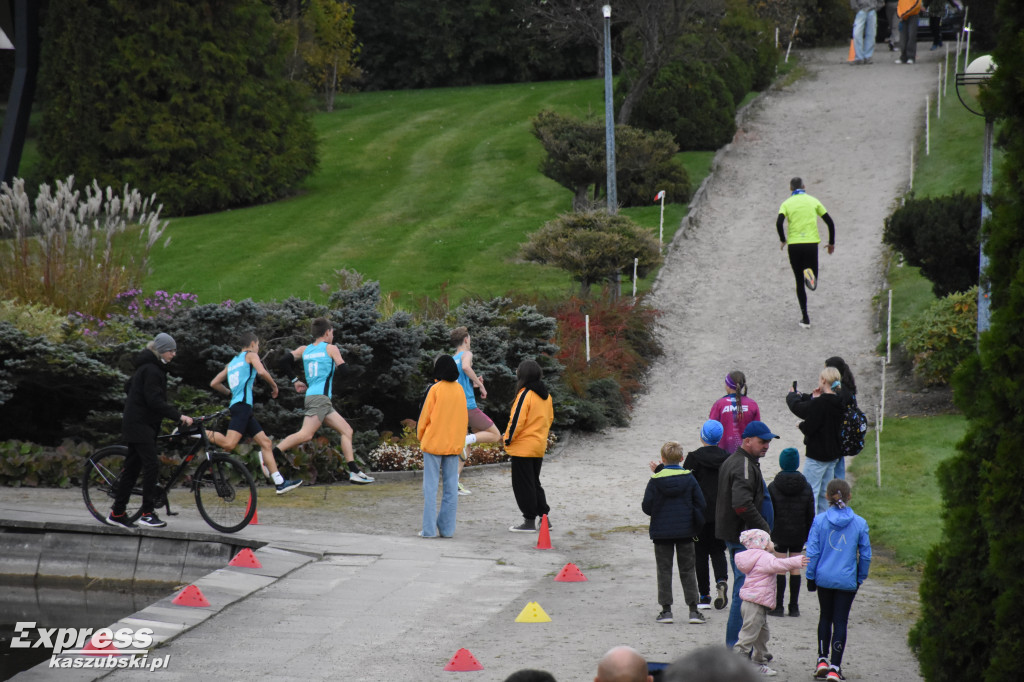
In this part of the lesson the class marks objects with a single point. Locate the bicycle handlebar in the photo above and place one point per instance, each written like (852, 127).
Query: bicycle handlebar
(197, 423)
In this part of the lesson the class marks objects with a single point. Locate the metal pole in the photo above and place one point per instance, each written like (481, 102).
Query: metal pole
(636, 261)
(609, 115)
(986, 212)
(888, 333)
(586, 322)
(880, 424)
(878, 451)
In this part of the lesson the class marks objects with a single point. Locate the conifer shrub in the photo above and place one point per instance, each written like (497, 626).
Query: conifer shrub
(940, 236)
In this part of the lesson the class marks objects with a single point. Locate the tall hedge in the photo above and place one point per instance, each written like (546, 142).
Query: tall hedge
(973, 584)
(184, 99)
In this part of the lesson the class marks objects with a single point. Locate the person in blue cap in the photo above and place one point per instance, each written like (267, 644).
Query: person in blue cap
(704, 462)
(740, 499)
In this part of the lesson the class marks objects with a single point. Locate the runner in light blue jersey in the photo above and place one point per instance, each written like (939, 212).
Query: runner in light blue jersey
(481, 427)
(240, 375)
(320, 361)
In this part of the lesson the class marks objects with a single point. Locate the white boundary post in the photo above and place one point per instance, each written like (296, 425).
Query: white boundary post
(911, 165)
(791, 37)
(878, 450)
(927, 127)
(881, 419)
(938, 94)
(776, 37)
(888, 333)
(636, 261)
(945, 81)
(661, 224)
(586, 321)
(967, 49)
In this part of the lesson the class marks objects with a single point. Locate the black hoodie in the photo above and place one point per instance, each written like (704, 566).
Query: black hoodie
(146, 404)
(793, 502)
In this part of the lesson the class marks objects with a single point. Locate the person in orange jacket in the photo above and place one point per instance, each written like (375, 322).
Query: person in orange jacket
(441, 429)
(526, 439)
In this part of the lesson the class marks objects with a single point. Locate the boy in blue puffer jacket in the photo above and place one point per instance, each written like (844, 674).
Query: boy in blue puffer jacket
(676, 506)
(839, 554)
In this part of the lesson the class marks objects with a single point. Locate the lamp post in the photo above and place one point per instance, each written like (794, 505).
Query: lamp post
(609, 114)
(976, 74)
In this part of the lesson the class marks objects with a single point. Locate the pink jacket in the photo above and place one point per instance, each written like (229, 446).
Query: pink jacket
(761, 567)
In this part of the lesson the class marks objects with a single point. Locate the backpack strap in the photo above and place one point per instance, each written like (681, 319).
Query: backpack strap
(515, 417)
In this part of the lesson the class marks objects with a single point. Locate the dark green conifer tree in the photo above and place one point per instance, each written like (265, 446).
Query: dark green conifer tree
(184, 99)
(970, 626)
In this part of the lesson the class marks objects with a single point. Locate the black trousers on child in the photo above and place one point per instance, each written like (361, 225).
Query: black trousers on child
(682, 549)
(710, 548)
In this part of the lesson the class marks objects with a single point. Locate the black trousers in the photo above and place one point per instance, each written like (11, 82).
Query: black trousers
(801, 257)
(141, 456)
(527, 488)
(709, 548)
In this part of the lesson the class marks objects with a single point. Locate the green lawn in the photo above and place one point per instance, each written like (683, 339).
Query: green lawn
(417, 189)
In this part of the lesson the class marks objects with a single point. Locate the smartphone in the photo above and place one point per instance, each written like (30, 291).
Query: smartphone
(794, 385)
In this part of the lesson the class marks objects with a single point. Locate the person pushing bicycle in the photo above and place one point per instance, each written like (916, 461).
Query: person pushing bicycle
(144, 408)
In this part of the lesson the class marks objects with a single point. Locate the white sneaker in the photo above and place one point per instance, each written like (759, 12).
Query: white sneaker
(765, 670)
(463, 490)
(359, 477)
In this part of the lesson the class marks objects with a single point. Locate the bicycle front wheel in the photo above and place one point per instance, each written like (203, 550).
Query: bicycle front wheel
(225, 493)
(100, 480)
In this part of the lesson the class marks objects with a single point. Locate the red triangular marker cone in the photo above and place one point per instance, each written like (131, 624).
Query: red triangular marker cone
(191, 596)
(544, 539)
(570, 573)
(102, 650)
(245, 559)
(463, 661)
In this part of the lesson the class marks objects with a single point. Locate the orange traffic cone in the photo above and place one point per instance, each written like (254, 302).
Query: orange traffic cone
(191, 596)
(570, 573)
(544, 539)
(245, 559)
(463, 661)
(853, 53)
(255, 517)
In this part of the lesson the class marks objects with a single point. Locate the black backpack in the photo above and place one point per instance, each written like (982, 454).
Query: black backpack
(852, 429)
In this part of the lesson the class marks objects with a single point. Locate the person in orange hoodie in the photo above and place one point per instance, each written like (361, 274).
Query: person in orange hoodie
(441, 429)
(526, 439)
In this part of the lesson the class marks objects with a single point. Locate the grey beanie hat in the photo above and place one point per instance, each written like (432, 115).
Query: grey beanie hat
(164, 343)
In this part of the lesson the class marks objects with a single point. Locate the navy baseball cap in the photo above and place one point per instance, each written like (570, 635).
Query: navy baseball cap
(758, 430)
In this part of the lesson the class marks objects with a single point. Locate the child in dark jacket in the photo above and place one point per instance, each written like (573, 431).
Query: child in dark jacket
(676, 506)
(704, 463)
(793, 501)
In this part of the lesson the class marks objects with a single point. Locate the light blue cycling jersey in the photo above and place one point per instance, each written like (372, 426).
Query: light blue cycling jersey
(465, 382)
(319, 368)
(241, 376)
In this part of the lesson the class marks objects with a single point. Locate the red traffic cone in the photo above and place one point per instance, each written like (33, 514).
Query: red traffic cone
(106, 648)
(245, 559)
(463, 661)
(190, 596)
(255, 517)
(570, 573)
(544, 538)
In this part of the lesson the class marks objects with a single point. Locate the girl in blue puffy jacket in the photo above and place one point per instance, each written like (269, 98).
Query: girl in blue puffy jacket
(839, 555)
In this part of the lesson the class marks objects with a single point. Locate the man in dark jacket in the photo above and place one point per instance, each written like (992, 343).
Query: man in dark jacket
(741, 492)
(144, 408)
(704, 462)
(676, 506)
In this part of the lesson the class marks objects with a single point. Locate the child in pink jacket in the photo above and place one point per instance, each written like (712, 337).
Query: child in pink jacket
(758, 593)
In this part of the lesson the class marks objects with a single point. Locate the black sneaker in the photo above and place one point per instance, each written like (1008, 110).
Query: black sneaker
(704, 603)
(524, 527)
(696, 617)
(287, 485)
(151, 520)
(794, 610)
(777, 612)
(665, 617)
(722, 599)
(119, 520)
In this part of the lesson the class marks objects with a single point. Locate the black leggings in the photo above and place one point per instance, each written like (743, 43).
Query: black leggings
(526, 486)
(835, 612)
(801, 257)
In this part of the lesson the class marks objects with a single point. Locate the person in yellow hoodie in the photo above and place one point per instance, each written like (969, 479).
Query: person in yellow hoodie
(526, 439)
(441, 429)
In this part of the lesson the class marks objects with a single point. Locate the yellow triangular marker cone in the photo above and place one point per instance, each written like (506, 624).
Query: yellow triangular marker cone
(533, 613)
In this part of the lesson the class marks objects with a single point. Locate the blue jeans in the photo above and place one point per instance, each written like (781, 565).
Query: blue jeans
(818, 475)
(840, 471)
(864, 25)
(443, 468)
(735, 622)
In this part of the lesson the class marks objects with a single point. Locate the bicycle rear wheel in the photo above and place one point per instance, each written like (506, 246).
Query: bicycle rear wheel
(225, 493)
(99, 483)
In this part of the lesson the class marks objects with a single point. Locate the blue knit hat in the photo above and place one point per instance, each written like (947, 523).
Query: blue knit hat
(789, 459)
(711, 432)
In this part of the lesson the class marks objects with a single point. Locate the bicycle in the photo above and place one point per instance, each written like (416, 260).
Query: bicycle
(224, 489)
